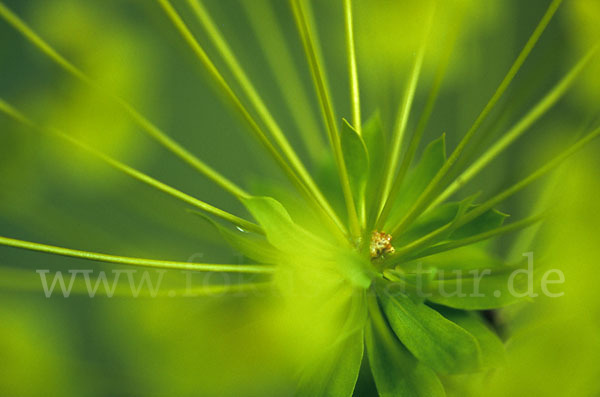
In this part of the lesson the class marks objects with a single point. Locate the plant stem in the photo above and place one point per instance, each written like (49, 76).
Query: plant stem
(352, 68)
(140, 120)
(354, 93)
(20, 280)
(322, 89)
(489, 204)
(515, 226)
(262, 110)
(155, 263)
(519, 128)
(392, 182)
(244, 224)
(432, 188)
(301, 180)
(272, 40)
(556, 161)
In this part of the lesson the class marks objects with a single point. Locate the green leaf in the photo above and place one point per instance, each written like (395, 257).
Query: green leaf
(493, 353)
(295, 205)
(487, 221)
(478, 289)
(443, 224)
(413, 283)
(440, 233)
(395, 370)
(372, 134)
(468, 278)
(302, 247)
(464, 258)
(280, 229)
(357, 160)
(249, 244)
(418, 178)
(337, 371)
(434, 340)
(428, 222)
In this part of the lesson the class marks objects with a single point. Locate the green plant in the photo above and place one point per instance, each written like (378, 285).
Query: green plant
(379, 294)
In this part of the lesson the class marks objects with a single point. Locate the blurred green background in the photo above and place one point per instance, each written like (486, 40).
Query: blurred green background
(52, 194)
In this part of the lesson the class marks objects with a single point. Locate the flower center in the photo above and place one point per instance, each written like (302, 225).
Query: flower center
(381, 244)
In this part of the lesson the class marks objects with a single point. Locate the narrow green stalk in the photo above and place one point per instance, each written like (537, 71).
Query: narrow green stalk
(401, 123)
(20, 280)
(432, 189)
(418, 134)
(519, 128)
(155, 263)
(244, 224)
(140, 120)
(354, 92)
(262, 110)
(322, 89)
(423, 241)
(256, 130)
(271, 38)
(210, 290)
(379, 322)
(416, 245)
(352, 68)
(556, 161)
(491, 203)
(515, 226)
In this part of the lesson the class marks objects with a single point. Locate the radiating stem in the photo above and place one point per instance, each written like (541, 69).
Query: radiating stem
(556, 161)
(244, 224)
(352, 68)
(354, 92)
(20, 280)
(515, 226)
(140, 120)
(518, 129)
(302, 181)
(489, 204)
(155, 263)
(433, 187)
(262, 110)
(392, 181)
(327, 107)
(271, 38)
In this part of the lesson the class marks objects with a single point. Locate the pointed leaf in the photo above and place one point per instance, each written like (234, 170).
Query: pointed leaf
(434, 340)
(301, 246)
(395, 370)
(418, 178)
(249, 244)
(295, 205)
(479, 289)
(372, 134)
(487, 221)
(428, 222)
(469, 278)
(280, 229)
(463, 259)
(337, 371)
(423, 242)
(336, 375)
(356, 158)
(493, 353)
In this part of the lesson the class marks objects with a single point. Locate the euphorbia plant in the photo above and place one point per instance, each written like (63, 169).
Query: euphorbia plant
(396, 269)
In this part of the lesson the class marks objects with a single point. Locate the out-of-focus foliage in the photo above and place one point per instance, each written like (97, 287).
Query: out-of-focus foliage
(583, 25)
(553, 349)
